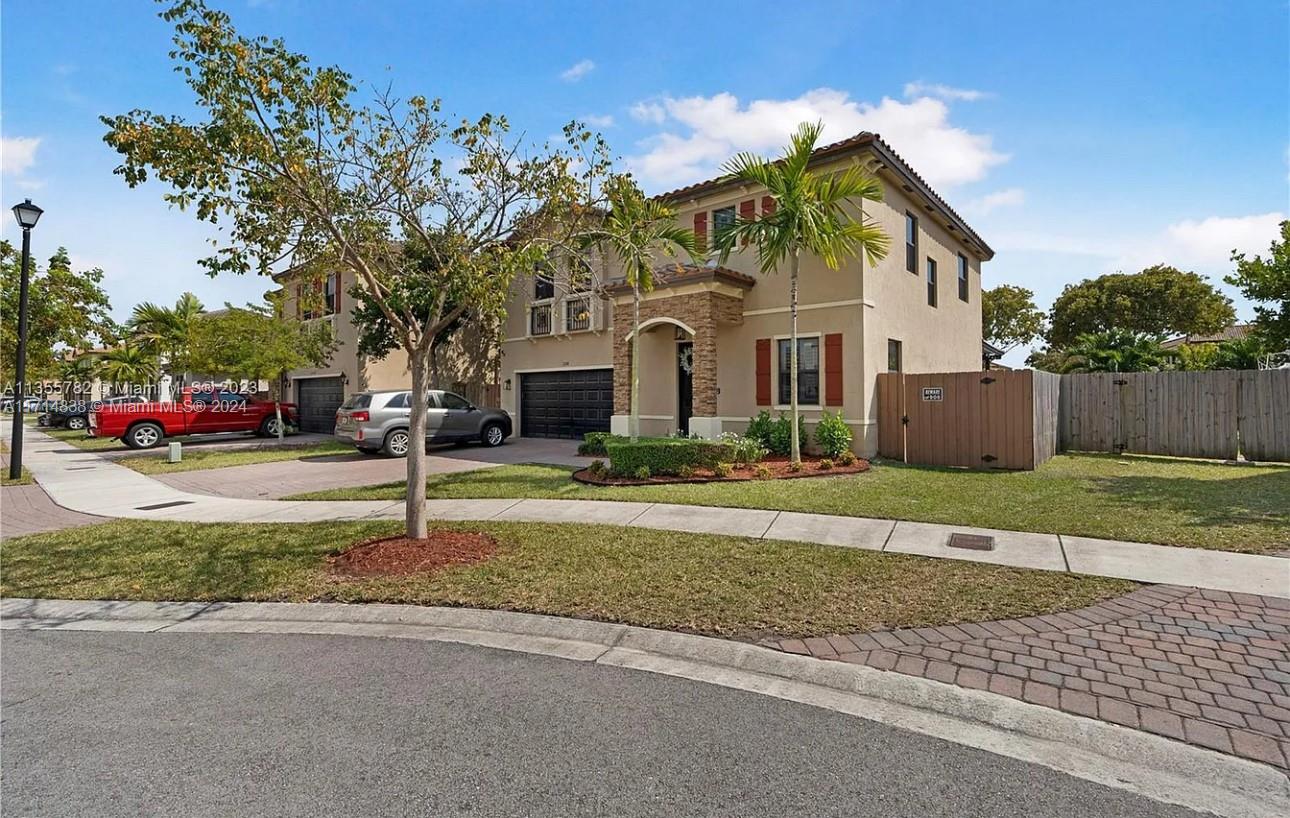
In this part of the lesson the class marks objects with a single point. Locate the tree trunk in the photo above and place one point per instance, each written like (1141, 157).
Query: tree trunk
(634, 422)
(418, 362)
(277, 413)
(795, 449)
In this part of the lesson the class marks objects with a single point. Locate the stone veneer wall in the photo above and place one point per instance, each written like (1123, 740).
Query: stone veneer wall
(700, 311)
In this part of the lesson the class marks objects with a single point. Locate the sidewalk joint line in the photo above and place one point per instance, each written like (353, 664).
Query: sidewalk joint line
(495, 515)
(769, 525)
(1061, 546)
(890, 531)
(648, 506)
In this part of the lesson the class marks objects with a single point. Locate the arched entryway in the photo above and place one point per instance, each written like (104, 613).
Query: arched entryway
(667, 363)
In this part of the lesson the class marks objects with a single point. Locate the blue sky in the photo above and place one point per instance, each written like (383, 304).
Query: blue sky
(1077, 139)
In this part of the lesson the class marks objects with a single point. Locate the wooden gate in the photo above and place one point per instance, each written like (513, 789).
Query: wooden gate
(993, 420)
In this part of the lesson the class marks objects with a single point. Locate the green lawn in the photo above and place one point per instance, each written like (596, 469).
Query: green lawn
(198, 458)
(81, 440)
(1145, 499)
(701, 583)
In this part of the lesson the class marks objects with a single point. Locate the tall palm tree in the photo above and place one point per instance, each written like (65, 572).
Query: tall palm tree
(166, 331)
(129, 363)
(637, 230)
(811, 214)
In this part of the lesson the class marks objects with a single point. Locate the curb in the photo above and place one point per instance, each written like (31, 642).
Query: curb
(1114, 756)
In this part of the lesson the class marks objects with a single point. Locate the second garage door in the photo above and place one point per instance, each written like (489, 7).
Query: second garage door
(566, 404)
(317, 400)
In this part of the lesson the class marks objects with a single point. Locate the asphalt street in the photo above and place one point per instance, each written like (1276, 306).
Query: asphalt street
(114, 724)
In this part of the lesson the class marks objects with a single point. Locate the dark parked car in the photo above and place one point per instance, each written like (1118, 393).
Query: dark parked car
(377, 421)
(75, 414)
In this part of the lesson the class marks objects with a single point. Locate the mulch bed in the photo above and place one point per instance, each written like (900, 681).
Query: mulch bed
(778, 471)
(398, 556)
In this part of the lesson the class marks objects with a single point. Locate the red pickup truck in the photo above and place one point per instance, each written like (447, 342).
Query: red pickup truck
(144, 425)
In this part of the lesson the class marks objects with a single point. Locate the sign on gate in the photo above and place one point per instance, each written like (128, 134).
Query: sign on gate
(935, 393)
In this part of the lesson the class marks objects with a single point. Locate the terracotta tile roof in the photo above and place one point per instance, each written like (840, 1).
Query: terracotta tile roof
(1232, 333)
(864, 139)
(670, 275)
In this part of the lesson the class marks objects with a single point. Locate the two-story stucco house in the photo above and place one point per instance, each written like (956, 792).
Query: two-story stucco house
(715, 339)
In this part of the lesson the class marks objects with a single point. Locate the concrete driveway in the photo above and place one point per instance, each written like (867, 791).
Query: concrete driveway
(285, 478)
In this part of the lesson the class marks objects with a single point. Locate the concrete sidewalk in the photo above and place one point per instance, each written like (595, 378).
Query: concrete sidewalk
(81, 481)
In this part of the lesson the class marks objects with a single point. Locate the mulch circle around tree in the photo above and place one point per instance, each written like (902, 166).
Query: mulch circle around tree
(398, 556)
(777, 466)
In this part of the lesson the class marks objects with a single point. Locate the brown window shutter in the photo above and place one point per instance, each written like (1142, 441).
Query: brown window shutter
(747, 212)
(763, 372)
(767, 205)
(833, 369)
(701, 231)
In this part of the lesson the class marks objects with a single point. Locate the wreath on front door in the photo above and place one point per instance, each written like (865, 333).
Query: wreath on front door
(686, 360)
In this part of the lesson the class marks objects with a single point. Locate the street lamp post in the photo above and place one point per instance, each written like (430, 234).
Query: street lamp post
(27, 214)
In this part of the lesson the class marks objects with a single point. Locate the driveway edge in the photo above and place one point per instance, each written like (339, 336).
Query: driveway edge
(1107, 754)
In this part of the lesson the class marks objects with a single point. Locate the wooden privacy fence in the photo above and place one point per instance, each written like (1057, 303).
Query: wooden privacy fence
(1183, 414)
(1000, 420)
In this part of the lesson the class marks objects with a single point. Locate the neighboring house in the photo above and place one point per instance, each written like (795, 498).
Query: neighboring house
(1232, 333)
(466, 365)
(714, 346)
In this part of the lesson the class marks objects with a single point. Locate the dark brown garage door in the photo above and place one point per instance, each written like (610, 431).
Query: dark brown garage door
(566, 404)
(317, 400)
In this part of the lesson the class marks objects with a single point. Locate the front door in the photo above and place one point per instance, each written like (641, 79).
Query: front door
(684, 385)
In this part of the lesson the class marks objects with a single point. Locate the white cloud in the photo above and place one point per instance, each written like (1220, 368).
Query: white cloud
(945, 92)
(1008, 197)
(650, 112)
(1209, 242)
(577, 71)
(599, 120)
(17, 154)
(702, 132)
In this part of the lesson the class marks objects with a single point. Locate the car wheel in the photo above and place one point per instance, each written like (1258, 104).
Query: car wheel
(492, 435)
(397, 443)
(269, 428)
(76, 422)
(144, 436)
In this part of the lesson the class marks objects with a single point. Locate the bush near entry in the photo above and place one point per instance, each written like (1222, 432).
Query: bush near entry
(775, 433)
(832, 434)
(593, 444)
(665, 455)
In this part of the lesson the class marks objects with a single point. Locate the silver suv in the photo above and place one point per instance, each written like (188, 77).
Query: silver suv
(377, 421)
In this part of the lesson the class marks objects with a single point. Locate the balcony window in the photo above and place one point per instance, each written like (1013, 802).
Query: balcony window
(540, 319)
(577, 314)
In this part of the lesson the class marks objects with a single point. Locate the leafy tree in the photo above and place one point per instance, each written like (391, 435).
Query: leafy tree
(167, 332)
(637, 231)
(1115, 351)
(1158, 301)
(294, 168)
(1197, 357)
(1250, 352)
(258, 343)
(812, 213)
(1010, 318)
(128, 366)
(65, 309)
(1267, 281)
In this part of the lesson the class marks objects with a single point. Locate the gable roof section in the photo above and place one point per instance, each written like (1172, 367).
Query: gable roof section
(911, 181)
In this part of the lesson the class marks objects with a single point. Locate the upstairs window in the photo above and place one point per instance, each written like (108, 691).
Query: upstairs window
(911, 242)
(931, 283)
(543, 287)
(331, 295)
(893, 355)
(722, 220)
(963, 277)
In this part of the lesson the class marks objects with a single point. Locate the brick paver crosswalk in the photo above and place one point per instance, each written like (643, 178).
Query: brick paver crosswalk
(1205, 667)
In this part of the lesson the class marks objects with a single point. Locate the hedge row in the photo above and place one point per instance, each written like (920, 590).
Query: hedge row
(665, 455)
(593, 444)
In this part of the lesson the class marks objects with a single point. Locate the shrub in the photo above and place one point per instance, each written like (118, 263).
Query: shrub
(824, 465)
(847, 458)
(723, 470)
(795, 467)
(759, 428)
(593, 444)
(781, 434)
(642, 473)
(746, 450)
(763, 472)
(685, 471)
(665, 455)
(832, 434)
(597, 468)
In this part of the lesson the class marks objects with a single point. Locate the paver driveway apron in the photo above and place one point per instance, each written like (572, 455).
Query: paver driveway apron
(81, 481)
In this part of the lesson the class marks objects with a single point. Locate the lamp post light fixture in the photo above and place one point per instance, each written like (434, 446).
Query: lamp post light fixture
(27, 215)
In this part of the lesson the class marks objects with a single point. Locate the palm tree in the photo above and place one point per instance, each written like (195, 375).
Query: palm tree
(166, 331)
(1115, 351)
(810, 214)
(637, 230)
(129, 363)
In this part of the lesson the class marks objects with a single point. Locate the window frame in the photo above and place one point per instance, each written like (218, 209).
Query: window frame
(331, 293)
(733, 210)
(781, 371)
(540, 279)
(911, 242)
(898, 346)
(965, 275)
(933, 295)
